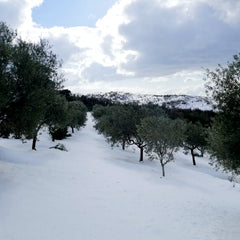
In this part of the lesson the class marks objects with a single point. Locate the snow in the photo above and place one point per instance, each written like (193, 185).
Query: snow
(96, 192)
(176, 101)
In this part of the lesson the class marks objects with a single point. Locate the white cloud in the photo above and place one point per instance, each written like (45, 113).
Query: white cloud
(157, 46)
(185, 36)
(18, 12)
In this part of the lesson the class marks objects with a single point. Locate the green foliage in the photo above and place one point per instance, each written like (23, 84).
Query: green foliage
(29, 81)
(90, 101)
(30, 90)
(77, 114)
(195, 140)
(163, 137)
(58, 133)
(191, 115)
(113, 122)
(98, 111)
(62, 114)
(224, 145)
(36, 81)
(6, 44)
(119, 124)
(223, 85)
(5, 131)
(56, 113)
(67, 94)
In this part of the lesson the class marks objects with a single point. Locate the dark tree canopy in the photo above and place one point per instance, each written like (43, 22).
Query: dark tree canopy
(119, 124)
(6, 45)
(77, 114)
(195, 140)
(223, 86)
(30, 85)
(163, 137)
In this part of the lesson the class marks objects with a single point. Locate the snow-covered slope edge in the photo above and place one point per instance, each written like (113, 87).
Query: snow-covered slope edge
(171, 101)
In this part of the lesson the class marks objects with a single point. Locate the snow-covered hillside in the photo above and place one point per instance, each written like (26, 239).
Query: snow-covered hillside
(176, 101)
(96, 192)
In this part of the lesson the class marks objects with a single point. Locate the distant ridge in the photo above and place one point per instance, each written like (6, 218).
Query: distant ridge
(170, 101)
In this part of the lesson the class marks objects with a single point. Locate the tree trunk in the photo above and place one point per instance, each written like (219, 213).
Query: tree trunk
(163, 169)
(35, 137)
(34, 142)
(193, 157)
(123, 145)
(141, 154)
(72, 129)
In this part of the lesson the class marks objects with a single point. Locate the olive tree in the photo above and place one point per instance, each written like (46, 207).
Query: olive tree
(163, 137)
(35, 72)
(119, 125)
(194, 140)
(114, 123)
(77, 114)
(223, 86)
(7, 37)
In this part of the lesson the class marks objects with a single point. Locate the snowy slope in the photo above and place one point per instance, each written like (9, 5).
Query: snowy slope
(176, 101)
(95, 192)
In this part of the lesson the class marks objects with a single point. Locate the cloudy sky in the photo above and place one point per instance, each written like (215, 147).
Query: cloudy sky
(143, 46)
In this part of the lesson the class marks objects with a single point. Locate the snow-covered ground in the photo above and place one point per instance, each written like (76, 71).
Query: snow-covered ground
(95, 192)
